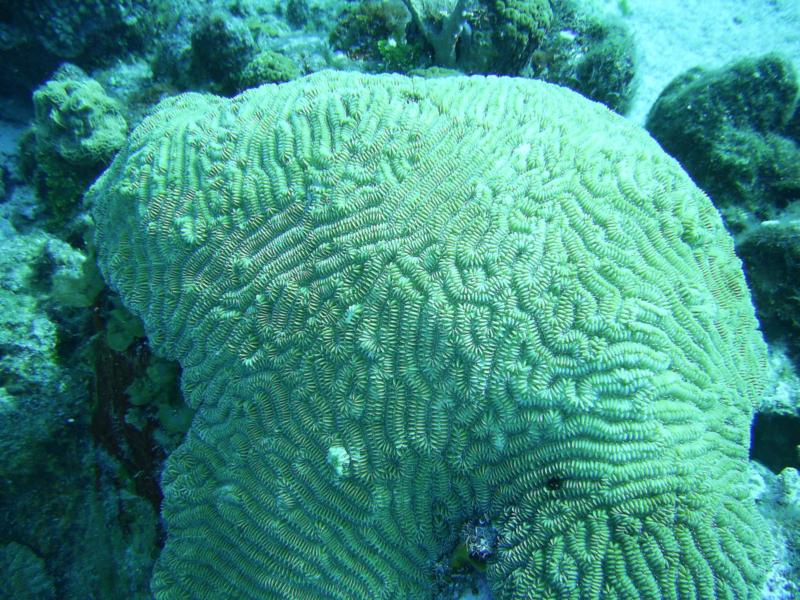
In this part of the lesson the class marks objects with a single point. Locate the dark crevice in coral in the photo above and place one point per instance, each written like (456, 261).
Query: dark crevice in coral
(774, 441)
(135, 448)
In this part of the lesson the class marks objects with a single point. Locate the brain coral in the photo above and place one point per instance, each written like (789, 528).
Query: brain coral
(402, 305)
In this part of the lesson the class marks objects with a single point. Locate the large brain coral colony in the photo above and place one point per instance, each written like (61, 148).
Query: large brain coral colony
(404, 307)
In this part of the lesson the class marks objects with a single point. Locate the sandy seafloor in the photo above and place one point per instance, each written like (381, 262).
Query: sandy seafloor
(675, 35)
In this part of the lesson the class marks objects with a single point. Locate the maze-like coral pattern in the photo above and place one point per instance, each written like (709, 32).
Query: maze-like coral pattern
(404, 304)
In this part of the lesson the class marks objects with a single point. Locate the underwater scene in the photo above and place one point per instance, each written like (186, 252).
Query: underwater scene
(400, 299)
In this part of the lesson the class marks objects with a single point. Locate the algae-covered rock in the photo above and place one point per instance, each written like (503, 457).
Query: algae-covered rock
(782, 396)
(35, 388)
(23, 575)
(122, 327)
(75, 280)
(76, 120)
(778, 499)
(588, 52)
(77, 129)
(155, 397)
(361, 27)
(563, 42)
(269, 67)
(730, 128)
(297, 12)
(70, 29)
(771, 255)
(222, 46)
(487, 36)
(518, 28)
(38, 35)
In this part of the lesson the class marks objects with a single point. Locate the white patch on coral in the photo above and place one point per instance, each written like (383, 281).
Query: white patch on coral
(339, 459)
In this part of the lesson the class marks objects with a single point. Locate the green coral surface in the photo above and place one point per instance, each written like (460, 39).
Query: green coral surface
(402, 305)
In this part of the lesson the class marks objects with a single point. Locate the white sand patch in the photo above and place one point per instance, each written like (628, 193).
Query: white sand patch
(675, 35)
